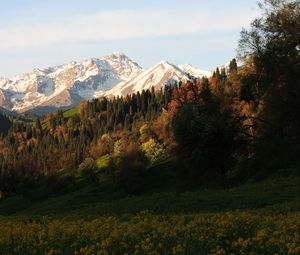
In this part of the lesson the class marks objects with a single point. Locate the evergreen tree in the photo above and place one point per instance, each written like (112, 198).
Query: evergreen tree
(232, 66)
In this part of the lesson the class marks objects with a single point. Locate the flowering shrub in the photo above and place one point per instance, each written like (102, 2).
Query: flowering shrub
(147, 233)
(154, 151)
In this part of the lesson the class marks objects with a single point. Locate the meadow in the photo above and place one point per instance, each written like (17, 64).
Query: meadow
(255, 218)
(147, 233)
(179, 164)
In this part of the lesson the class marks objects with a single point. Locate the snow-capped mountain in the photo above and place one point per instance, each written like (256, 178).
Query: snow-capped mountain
(156, 76)
(193, 71)
(64, 86)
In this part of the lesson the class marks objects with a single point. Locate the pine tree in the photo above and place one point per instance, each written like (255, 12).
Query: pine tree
(233, 66)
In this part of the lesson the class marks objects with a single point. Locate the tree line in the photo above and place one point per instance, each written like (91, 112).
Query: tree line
(241, 123)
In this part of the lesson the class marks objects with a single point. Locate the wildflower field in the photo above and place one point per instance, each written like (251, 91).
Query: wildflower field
(146, 233)
(258, 218)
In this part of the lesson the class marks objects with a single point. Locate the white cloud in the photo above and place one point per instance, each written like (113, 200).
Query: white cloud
(122, 24)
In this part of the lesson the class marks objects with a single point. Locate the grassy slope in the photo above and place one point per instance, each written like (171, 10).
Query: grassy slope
(71, 112)
(280, 191)
(67, 114)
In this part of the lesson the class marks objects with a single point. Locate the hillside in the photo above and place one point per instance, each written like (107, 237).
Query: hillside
(171, 160)
(83, 197)
(252, 211)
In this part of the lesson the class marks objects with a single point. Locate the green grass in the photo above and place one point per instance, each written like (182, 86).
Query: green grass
(87, 218)
(70, 112)
(67, 114)
(86, 199)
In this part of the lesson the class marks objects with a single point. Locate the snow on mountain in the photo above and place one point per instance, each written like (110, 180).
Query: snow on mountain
(195, 72)
(4, 102)
(66, 85)
(124, 66)
(3, 81)
(2, 97)
(157, 76)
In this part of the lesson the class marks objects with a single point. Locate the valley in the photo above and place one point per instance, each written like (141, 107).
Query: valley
(102, 156)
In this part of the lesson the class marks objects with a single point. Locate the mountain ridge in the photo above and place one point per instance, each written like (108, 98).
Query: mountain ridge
(63, 86)
(160, 74)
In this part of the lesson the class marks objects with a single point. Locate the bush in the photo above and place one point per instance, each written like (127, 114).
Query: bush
(103, 162)
(49, 186)
(88, 168)
(154, 151)
(208, 140)
(129, 170)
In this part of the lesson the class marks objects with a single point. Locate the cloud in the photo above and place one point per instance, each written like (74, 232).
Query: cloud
(122, 24)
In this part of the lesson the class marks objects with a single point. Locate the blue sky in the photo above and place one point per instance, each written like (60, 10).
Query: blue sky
(38, 34)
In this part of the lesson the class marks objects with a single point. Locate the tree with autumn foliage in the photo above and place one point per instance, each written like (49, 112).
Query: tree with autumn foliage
(271, 50)
(209, 135)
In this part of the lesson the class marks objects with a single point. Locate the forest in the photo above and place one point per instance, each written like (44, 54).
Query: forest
(238, 128)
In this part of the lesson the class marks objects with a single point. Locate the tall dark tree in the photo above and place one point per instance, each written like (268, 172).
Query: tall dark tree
(232, 65)
(272, 47)
(209, 135)
(5, 124)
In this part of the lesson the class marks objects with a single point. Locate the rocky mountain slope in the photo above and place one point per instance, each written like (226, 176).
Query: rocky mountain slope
(193, 71)
(156, 76)
(44, 90)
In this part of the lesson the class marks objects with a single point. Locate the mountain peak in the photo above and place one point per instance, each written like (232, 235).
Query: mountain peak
(194, 71)
(116, 55)
(167, 65)
(157, 76)
(164, 62)
(65, 85)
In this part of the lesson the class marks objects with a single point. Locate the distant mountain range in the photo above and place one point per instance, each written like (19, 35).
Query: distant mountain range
(63, 86)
